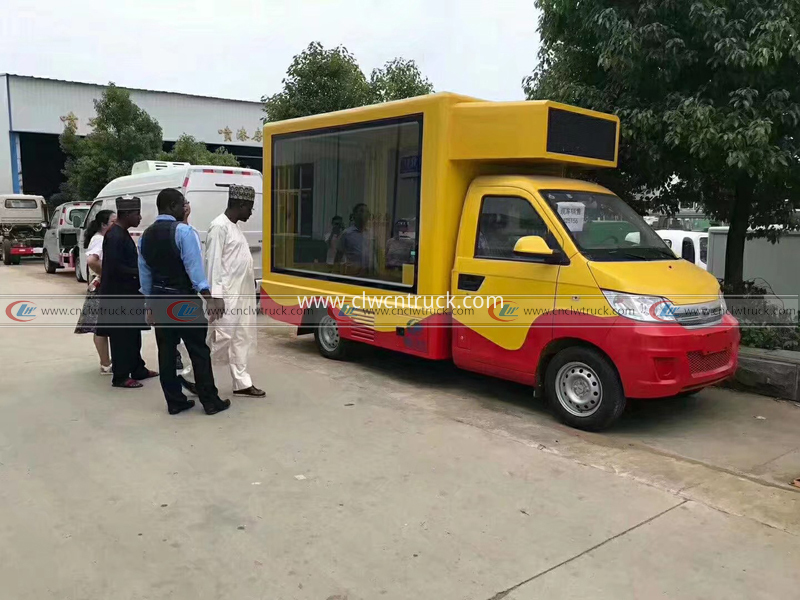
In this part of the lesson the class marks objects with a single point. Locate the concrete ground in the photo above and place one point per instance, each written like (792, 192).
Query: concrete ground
(384, 477)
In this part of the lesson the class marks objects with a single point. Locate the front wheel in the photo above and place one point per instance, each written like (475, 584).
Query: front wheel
(583, 389)
(328, 339)
(6, 252)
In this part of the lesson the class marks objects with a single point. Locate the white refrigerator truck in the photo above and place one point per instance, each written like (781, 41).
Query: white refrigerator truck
(206, 189)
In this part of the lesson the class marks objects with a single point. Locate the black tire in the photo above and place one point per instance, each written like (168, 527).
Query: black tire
(591, 395)
(49, 266)
(6, 252)
(77, 261)
(329, 342)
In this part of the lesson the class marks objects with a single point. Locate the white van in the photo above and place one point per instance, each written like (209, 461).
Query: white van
(205, 187)
(689, 245)
(61, 236)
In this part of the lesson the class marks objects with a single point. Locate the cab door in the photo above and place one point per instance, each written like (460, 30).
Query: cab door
(51, 236)
(81, 268)
(504, 301)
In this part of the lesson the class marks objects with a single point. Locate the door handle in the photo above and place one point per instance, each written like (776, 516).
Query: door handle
(470, 283)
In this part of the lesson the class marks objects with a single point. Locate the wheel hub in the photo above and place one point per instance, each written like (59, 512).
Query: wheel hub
(329, 334)
(579, 389)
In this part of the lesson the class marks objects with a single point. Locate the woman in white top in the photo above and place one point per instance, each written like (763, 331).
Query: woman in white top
(87, 323)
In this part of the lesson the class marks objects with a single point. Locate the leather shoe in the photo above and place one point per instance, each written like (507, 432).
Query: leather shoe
(217, 406)
(188, 385)
(177, 407)
(252, 391)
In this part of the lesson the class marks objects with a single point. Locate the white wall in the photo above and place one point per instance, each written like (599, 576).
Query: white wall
(37, 105)
(6, 181)
(777, 264)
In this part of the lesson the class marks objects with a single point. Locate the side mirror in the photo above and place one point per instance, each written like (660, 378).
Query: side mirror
(532, 245)
(44, 224)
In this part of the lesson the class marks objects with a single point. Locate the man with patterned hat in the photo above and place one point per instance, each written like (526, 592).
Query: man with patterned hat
(122, 314)
(229, 267)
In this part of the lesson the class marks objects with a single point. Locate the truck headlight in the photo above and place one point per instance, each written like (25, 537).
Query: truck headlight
(651, 309)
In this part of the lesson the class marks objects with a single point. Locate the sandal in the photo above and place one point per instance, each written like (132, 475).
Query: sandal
(150, 374)
(130, 383)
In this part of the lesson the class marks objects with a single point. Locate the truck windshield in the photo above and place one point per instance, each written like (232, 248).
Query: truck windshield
(605, 228)
(20, 203)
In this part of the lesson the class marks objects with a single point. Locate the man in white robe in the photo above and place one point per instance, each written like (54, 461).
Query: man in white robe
(229, 266)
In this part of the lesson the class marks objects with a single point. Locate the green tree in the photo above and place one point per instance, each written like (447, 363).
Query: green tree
(318, 81)
(122, 133)
(398, 79)
(188, 149)
(708, 93)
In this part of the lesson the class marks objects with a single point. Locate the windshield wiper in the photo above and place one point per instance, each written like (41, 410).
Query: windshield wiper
(629, 252)
(626, 252)
(665, 253)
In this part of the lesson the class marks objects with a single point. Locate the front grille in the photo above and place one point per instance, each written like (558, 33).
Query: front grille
(703, 363)
(699, 315)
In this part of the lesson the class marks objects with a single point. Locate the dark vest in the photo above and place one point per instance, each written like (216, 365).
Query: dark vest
(162, 255)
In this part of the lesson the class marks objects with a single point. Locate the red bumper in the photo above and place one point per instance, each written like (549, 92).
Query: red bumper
(23, 251)
(657, 361)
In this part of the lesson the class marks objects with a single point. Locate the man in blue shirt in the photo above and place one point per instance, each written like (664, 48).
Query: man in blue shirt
(173, 279)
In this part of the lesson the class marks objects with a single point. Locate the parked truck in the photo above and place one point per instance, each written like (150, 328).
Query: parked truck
(22, 221)
(375, 216)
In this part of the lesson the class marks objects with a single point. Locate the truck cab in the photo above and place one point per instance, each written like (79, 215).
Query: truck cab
(22, 221)
(448, 228)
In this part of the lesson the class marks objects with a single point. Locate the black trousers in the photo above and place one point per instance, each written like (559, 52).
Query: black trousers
(126, 355)
(194, 338)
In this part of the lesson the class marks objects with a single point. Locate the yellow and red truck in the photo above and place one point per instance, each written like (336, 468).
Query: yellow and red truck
(443, 227)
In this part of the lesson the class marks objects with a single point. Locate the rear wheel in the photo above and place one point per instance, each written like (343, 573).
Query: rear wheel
(77, 261)
(6, 252)
(49, 266)
(583, 389)
(329, 341)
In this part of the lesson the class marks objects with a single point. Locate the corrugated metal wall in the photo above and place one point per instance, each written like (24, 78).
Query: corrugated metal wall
(6, 179)
(38, 105)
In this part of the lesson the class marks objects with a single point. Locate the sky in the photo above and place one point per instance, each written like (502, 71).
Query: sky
(241, 48)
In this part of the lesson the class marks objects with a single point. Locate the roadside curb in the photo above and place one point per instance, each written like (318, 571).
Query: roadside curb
(774, 373)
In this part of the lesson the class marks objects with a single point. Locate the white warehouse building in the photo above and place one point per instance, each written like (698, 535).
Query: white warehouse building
(33, 112)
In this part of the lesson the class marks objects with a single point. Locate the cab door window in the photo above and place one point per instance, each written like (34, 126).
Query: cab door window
(504, 220)
(96, 207)
(687, 251)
